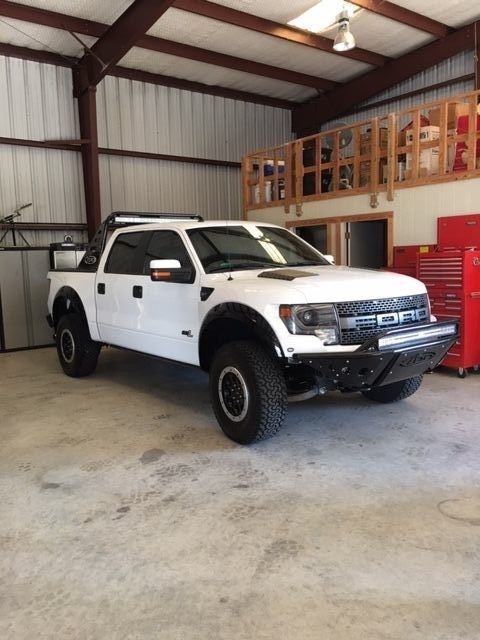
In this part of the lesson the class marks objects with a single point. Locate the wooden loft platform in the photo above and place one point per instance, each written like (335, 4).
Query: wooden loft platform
(427, 144)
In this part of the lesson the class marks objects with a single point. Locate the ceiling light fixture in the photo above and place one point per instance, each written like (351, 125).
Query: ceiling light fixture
(344, 40)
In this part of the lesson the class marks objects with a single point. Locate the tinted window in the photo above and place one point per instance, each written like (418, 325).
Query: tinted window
(166, 245)
(121, 258)
(235, 247)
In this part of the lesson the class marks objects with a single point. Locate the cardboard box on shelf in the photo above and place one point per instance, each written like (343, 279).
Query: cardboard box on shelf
(364, 179)
(366, 139)
(427, 134)
(428, 161)
(454, 111)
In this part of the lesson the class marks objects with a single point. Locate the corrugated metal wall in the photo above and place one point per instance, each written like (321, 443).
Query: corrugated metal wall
(144, 117)
(36, 103)
(458, 66)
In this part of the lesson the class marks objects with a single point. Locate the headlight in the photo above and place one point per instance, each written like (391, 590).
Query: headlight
(311, 319)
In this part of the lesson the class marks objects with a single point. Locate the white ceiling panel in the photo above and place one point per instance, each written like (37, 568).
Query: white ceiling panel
(382, 35)
(184, 27)
(277, 10)
(34, 36)
(455, 13)
(100, 10)
(212, 75)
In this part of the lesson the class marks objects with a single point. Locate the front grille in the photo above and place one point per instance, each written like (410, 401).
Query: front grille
(364, 319)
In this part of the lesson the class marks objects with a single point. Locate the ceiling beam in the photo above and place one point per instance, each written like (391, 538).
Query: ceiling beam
(308, 117)
(117, 40)
(269, 27)
(37, 55)
(97, 30)
(405, 16)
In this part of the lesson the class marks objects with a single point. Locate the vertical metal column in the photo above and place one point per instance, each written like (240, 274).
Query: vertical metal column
(87, 109)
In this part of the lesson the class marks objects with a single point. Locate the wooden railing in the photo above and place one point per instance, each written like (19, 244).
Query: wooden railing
(439, 141)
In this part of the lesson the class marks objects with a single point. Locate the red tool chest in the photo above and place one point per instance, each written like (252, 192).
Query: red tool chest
(405, 258)
(452, 279)
(458, 232)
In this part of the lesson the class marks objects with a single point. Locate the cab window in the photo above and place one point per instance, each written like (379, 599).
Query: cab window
(122, 255)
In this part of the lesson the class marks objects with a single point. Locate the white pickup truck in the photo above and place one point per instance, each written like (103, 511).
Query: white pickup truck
(265, 314)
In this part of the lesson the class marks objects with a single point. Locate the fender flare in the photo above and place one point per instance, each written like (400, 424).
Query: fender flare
(67, 300)
(241, 314)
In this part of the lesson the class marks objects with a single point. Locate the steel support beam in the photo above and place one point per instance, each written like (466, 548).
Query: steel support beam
(87, 110)
(117, 40)
(308, 117)
(405, 16)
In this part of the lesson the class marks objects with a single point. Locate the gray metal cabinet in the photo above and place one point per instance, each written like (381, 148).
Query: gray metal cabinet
(23, 298)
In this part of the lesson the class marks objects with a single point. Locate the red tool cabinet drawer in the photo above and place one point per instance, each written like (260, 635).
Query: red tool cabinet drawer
(459, 231)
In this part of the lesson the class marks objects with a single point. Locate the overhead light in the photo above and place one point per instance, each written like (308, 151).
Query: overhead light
(323, 15)
(344, 40)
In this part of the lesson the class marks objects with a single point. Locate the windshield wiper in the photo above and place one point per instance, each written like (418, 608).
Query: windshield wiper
(306, 263)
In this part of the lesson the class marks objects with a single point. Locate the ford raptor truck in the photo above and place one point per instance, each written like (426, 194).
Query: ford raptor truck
(264, 313)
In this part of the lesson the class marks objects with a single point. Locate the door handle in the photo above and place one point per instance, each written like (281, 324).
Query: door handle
(137, 291)
(101, 288)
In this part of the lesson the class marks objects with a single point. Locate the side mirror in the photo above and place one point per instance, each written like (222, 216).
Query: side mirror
(170, 271)
(331, 259)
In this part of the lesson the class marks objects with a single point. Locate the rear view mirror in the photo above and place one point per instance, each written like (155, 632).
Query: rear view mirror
(170, 271)
(330, 258)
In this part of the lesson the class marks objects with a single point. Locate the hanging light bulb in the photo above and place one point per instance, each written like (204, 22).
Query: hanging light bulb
(344, 40)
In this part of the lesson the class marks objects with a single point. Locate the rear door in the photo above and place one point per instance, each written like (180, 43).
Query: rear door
(118, 308)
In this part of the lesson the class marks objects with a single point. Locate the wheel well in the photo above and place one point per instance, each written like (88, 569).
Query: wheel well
(231, 322)
(67, 301)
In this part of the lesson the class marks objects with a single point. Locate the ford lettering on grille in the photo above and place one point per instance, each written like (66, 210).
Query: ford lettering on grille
(362, 320)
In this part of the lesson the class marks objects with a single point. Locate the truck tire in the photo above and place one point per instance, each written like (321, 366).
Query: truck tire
(77, 352)
(248, 392)
(396, 391)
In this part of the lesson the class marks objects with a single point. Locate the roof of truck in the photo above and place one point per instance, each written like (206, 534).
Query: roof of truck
(192, 224)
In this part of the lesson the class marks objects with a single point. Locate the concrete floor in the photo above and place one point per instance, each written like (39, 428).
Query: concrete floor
(125, 513)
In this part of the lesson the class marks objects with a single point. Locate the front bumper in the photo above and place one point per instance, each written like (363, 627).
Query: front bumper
(369, 366)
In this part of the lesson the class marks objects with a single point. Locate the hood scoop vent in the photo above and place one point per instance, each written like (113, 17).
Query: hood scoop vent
(285, 274)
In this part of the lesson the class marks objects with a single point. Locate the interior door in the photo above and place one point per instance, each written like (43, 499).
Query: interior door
(367, 244)
(316, 235)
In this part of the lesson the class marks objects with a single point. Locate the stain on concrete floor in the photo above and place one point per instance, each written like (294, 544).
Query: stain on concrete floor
(125, 512)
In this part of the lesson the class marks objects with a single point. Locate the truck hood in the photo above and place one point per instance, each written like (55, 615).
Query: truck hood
(326, 284)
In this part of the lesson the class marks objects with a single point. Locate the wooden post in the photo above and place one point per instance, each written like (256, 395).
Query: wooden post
(245, 186)
(472, 134)
(336, 161)
(443, 142)
(298, 176)
(288, 175)
(415, 144)
(374, 158)
(391, 156)
(318, 164)
(261, 180)
(356, 157)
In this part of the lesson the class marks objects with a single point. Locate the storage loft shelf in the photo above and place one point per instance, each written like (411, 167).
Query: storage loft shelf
(435, 142)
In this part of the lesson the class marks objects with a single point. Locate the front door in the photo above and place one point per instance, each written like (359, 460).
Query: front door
(169, 321)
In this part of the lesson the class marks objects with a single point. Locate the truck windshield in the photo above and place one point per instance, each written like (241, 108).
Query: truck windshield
(237, 247)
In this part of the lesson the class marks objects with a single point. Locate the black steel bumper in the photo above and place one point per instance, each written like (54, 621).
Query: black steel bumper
(372, 366)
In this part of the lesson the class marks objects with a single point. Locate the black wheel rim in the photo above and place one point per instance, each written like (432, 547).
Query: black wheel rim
(67, 346)
(233, 394)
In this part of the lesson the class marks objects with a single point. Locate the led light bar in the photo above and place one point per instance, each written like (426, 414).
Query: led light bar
(145, 220)
(404, 339)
